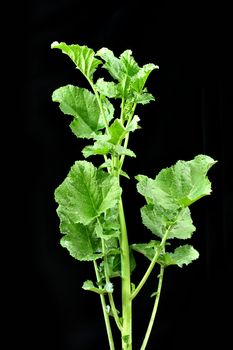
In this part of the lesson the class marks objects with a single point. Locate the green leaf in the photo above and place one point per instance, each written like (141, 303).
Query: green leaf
(104, 148)
(82, 56)
(89, 285)
(139, 80)
(133, 125)
(147, 249)
(159, 220)
(79, 240)
(113, 265)
(128, 62)
(112, 63)
(110, 222)
(107, 88)
(183, 227)
(83, 106)
(130, 76)
(154, 194)
(87, 192)
(117, 131)
(186, 181)
(120, 150)
(98, 148)
(108, 110)
(123, 173)
(182, 255)
(143, 98)
(179, 185)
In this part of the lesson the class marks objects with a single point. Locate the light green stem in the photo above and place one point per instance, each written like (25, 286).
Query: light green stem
(110, 296)
(126, 334)
(114, 311)
(146, 275)
(106, 316)
(100, 104)
(152, 264)
(127, 136)
(154, 311)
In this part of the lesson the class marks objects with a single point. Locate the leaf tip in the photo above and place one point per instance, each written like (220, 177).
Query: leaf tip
(54, 44)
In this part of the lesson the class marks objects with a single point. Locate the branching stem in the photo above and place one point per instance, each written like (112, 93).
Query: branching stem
(151, 266)
(105, 313)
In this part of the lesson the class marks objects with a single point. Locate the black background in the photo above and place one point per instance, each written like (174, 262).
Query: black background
(192, 114)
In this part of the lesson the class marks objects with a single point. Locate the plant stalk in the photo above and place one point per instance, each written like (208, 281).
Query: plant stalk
(126, 333)
(154, 311)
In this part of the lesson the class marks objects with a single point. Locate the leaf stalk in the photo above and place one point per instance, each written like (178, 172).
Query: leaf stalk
(154, 310)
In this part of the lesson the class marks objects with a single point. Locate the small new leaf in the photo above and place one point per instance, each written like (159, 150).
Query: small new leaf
(98, 148)
(89, 285)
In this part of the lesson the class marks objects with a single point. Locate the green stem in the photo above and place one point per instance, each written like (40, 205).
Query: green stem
(154, 311)
(110, 296)
(100, 105)
(106, 316)
(122, 109)
(146, 275)
(126, 334)
(127, 136)
(152, 264)
(114, 311)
